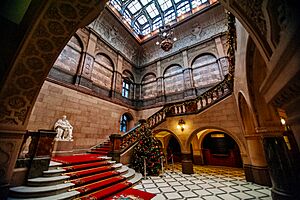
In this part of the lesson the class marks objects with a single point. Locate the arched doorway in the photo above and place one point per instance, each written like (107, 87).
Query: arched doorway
(220, 149)
(174, 149)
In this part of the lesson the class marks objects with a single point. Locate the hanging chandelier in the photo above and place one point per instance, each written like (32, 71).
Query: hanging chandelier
(166, 36)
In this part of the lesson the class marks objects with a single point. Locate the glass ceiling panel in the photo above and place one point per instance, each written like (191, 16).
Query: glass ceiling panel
(134, 6)
(145, 16)
(165, 4)
(152, 10)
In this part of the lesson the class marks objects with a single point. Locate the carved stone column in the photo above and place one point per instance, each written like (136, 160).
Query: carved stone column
(187, 76)
(84, 78)
(187, 163)
(10, 143)
(257, 171)
(284, 176)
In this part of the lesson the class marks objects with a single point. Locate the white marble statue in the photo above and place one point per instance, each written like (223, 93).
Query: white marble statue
(63, 129)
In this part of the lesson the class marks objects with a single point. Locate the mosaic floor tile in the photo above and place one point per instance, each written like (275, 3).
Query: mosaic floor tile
(202, 193)
(180, 188)
(153, 190)
(162, 184)
(242, 195)
(167, 189)
(188, 194)
(208, 182)
(149, 185)
(173, 195)
(227, 197)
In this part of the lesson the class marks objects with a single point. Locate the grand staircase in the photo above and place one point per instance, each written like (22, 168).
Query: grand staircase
(86, 176)
(94, 175)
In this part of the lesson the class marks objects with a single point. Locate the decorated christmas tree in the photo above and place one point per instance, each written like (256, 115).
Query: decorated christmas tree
(150, 149)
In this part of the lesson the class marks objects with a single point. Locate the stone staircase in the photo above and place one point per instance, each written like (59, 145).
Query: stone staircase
(87, 176)
(101, 149)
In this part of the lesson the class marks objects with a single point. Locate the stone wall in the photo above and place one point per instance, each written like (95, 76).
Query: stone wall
(93, 119)
(222, 116)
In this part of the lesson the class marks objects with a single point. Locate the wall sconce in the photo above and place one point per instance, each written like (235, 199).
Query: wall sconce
(181, 125)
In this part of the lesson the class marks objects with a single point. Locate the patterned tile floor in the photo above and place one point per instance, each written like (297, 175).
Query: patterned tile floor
(207, 183)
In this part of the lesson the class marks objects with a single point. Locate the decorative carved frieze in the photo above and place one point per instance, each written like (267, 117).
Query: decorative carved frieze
(48, 35)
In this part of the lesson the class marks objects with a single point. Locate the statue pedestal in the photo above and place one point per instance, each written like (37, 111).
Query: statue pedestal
(62, 148)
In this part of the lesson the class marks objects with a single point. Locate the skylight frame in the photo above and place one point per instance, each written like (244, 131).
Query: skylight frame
(155, 12)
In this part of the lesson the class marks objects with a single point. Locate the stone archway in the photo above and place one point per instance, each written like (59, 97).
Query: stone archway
(219, 149)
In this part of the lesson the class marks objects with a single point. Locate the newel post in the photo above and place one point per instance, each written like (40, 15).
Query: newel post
(115, 140)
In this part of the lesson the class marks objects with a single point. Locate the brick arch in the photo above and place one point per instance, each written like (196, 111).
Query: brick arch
(193, 58)
(107, 56)
(170, 66)
(172, 134)
(147, 74)
(128, 74)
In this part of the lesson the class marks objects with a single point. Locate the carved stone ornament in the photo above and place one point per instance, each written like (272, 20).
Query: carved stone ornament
(49, 32)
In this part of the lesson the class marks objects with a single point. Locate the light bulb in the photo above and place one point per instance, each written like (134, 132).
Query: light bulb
(282, 121)
(164, 34)
(174, 39)
(157, 43)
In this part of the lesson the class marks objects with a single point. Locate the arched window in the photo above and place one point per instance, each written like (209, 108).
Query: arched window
(127, 85)
(126, 88)
(149, 86)
(125, 122)
(206, 71)
(102, 74)
(173, 79)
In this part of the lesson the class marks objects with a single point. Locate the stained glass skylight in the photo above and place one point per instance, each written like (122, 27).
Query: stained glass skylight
(146, 16)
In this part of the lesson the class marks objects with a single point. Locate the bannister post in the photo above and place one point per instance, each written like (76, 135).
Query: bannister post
(115, 140)
(40, 151)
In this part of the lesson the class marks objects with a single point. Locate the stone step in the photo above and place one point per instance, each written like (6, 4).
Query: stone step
(46, 181)
(43, 191)
(136, 179)
(130, 174)
(53, 172)
(123, 169)
(105, 157)
(117, 166)
(63, 196)
(54, 165)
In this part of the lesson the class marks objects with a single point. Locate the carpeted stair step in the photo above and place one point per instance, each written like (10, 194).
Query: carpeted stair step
(100, 184)
(88, 165)
(89, 179)
(100, 152)
(92, 178)
(63, 196)
(102, 148)
(29, 191)
(46, 181)
(77, 159)
(104, 193)
(91, 171)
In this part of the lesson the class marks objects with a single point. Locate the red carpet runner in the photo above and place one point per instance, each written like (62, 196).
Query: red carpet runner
(95, 178)
(77, 159)
(130, 192)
